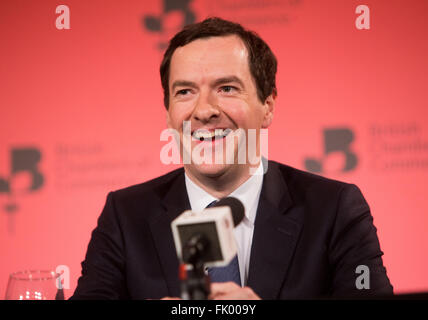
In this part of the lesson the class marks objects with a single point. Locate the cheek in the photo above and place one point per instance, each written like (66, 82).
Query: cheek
(176, 116)
(243, 115)
(234, 109)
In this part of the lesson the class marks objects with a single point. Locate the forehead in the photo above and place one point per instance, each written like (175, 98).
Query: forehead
(210, 57)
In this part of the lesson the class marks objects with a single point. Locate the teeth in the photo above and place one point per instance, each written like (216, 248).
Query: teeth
(203, 134)
(209, 135)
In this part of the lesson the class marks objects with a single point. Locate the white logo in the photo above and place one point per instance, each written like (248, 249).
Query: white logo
(363, 280)
(363, 20)
(63, 20)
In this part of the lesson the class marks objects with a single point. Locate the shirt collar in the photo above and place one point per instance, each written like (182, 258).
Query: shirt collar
(248, 193)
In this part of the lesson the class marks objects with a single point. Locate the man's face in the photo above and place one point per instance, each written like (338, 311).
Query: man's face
(211, 87)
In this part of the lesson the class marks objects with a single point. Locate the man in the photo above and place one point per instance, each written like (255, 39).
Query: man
(303, 236)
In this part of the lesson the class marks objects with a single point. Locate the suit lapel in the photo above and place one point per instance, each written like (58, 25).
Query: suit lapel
(174, 203)
(275, 236)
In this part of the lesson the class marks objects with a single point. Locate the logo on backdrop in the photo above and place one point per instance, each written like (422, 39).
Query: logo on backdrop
(176, 14)
(24, 176)
(337, 156)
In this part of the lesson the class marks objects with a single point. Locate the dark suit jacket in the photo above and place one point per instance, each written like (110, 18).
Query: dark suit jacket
(310, 235)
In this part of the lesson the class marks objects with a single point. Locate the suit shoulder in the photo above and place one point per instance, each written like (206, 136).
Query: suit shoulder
(322, 196)
(154, 187)
(305, 180)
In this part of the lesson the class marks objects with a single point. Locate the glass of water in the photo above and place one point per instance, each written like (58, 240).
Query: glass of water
(34, 285)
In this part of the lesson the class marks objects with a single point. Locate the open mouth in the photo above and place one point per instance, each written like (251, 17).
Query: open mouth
(210, 135)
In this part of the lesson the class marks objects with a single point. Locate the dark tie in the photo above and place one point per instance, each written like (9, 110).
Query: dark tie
(226, 273)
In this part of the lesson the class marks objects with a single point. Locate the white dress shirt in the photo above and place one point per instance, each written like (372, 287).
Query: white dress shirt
(248, 193)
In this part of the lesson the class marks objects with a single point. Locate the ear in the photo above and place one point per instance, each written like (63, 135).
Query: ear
(269, 108)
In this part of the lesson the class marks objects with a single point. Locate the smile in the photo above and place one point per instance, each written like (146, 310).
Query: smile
(210, 135)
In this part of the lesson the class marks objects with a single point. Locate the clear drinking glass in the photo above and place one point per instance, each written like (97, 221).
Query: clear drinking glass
(34, 285)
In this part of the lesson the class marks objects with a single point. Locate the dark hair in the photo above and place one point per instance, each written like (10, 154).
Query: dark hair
(262, 61)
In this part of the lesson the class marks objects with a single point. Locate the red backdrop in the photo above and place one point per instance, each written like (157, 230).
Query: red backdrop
(81, 114)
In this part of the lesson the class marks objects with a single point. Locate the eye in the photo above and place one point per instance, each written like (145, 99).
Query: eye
(228, 89)
(182, 92)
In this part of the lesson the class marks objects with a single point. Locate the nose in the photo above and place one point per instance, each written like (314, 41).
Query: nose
(206, 110)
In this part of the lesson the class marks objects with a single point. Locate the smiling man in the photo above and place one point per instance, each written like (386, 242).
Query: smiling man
(303, 236)
(211, 88)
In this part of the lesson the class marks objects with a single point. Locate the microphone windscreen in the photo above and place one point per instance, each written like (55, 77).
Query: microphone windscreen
(236, 206)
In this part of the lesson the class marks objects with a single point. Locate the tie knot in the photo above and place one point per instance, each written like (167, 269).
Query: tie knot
(211, 204)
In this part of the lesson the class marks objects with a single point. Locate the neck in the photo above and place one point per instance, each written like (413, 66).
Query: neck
(221, 184)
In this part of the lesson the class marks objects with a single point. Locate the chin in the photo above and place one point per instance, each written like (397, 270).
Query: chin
(210, 170)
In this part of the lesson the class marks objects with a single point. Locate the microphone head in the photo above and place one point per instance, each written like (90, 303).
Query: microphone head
(236, 207)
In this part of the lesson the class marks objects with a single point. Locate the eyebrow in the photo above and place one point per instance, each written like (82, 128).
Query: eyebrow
(183, 83)
(217, 82)
(228, 79)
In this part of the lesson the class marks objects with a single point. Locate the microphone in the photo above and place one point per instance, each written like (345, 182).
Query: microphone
(236, 206)
(207, 237)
